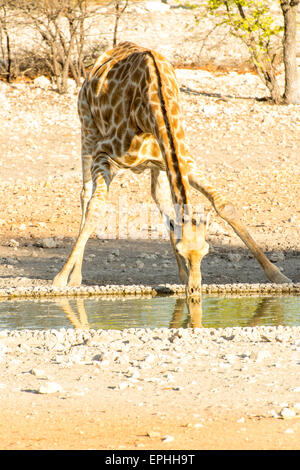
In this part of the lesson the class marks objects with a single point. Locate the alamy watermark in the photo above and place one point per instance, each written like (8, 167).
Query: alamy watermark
(119, 220)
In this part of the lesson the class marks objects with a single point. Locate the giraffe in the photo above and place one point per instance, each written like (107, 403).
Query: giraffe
(130, 118)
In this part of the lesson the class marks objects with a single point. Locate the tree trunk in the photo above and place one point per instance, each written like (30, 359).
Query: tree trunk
(9, 61)
(292, 91)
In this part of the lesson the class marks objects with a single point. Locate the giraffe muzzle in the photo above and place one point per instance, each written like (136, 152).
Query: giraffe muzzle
(194, 286)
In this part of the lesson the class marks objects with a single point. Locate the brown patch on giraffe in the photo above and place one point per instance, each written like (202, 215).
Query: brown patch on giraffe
(135, 145)
(121, 129)
(114, 97)
(131, 159)
(127, 140)
(179, 132)
(107, 148)
(105, 101)
(128, 94)
(174, 108)
(182, 148)
(155, 150)
(135, 77)
(118, 113)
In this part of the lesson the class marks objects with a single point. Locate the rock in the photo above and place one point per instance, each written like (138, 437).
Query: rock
(49, 243)
(277, 256)
(3, 349)
(149, 358)
(38, 373)
(167, 438)
(287, 413)
(123, 385)
(210, 109)
(13, 243)
(42, 82)
(234, 257)
(216, 229)
(12, 260)
(50, 387)
(153, 434)
(71, 86)
(260, 355)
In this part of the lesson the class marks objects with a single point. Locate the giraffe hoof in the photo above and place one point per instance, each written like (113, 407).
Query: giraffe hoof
(74, 282)
(59, 281)
(284, 280)
(280, 278)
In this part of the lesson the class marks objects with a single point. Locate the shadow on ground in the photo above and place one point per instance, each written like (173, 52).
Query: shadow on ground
(147, 262)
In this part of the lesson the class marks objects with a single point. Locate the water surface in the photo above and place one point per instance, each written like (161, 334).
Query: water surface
(155, 312)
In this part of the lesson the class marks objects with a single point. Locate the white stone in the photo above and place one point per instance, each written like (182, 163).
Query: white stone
(167, 438)
(153, 434)
(234, 257)
(49, 243)
(260, 356)
(289, 431)
(123, 385)
(42, 82)
(210, 109)
(140, 264)
(38, 372)
(287, 413)
(216, 229)
(50, 387)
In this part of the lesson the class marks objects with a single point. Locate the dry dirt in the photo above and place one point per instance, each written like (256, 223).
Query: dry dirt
(247, 147)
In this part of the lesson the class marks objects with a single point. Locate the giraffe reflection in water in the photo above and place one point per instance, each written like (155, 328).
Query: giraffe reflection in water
(78, 316)
(79, 319)
(263, 308)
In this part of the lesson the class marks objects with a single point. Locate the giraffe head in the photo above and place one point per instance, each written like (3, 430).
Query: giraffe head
(191, 248)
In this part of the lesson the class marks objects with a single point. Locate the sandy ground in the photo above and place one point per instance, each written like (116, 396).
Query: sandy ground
(250, 149)
(233, 388)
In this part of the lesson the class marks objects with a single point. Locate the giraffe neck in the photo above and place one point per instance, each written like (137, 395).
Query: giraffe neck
(170, 146)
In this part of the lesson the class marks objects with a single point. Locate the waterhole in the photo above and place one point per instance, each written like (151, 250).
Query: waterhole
(154, 312)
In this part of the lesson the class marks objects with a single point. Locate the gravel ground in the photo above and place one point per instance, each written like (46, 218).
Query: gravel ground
(176, 377)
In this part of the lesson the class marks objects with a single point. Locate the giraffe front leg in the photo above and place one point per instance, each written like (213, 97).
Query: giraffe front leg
(94, 214)
(76, 256)
(227, 211)
(85, 196)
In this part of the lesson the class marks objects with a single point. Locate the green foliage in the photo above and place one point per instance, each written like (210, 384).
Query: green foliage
(250, 20)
